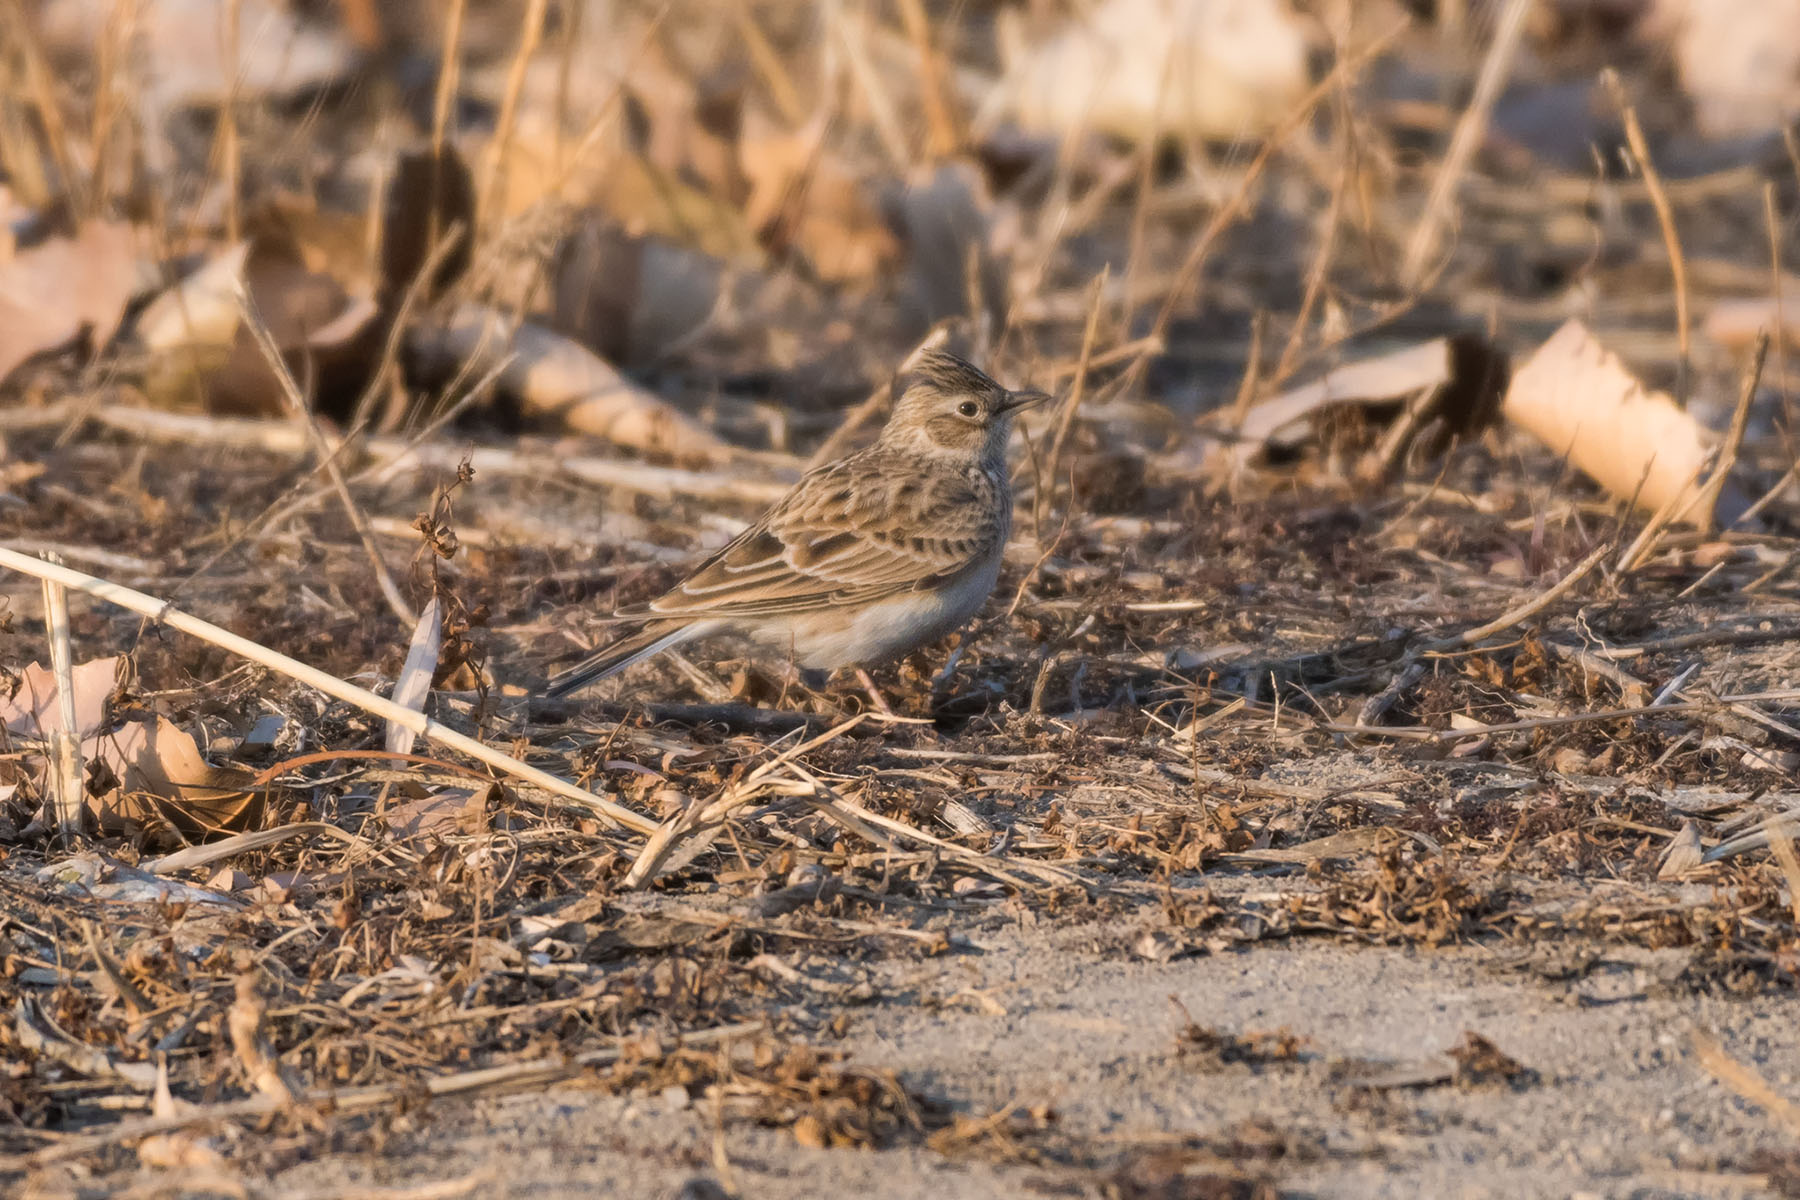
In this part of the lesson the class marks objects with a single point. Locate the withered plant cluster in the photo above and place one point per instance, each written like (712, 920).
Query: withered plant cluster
(1408, 556)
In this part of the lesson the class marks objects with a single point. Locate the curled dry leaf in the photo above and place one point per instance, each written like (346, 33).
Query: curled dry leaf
(555, 378)
(203, 356)
(33, 712)
(180, 1149)
(162, 777)
(52, 293)
(1458, 382)
(1683, 854)
(199, 311)
(1581, 401)
(1219, 69)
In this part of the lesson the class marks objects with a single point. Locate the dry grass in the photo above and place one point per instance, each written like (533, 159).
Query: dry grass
(1419, 706)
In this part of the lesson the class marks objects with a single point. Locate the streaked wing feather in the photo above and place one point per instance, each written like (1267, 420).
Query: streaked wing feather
(839, 539)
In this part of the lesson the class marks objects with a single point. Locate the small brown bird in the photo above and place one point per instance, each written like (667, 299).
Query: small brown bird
(869, 557)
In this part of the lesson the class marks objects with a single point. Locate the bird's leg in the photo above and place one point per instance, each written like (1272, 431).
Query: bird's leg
(875, 696)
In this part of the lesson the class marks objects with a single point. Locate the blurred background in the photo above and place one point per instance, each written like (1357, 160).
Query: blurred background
(756, 210)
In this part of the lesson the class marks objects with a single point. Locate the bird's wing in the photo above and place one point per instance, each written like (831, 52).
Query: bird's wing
(849, 533)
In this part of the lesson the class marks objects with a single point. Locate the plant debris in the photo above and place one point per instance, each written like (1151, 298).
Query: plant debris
(1395, 577)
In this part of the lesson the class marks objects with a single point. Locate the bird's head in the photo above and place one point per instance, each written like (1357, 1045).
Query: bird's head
(948, 408)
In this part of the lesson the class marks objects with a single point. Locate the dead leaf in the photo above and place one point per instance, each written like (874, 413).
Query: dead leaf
(1735, 324)
(1581, 401)
(946, 221)
(447, 809)
(631, 297)
(1458, 382)
(430, 199)
(1683, 854)
(33, 711)
(1219, 69)
(52, 293)
(1165, 945)
(553, 378)
(804, 198)
(203, 356)
(199, 310)
(228, 879)
(163, 777)
(1738, 59)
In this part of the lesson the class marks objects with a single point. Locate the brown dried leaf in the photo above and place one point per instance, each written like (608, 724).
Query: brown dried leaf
(551, 376)
(203, 356)
(631, 297)
(199, 310)
(1188, 68)
(804, 198)
(428, 199)
(1581, 401)
(445, 809)
(33, 711)
(163, 778)
(1462, 377)
(51, 293)
(1683, 853)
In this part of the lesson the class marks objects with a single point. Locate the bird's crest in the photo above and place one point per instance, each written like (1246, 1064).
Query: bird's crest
(947, 373)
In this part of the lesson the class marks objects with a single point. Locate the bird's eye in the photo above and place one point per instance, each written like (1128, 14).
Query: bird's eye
(968, 408)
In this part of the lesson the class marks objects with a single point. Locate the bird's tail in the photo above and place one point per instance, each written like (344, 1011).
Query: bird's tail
(651, 640)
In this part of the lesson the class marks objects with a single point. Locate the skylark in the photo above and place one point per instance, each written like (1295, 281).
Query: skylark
(869, 557)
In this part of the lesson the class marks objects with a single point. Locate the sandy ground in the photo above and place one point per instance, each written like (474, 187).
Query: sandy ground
(1620, 1107)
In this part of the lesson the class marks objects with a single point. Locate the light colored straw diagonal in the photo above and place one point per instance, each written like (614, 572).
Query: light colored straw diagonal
(331, 685)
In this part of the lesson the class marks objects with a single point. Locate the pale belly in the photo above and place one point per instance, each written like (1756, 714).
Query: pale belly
(883, 631)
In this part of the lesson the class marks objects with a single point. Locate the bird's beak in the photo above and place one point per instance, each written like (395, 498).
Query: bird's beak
(1019, 401)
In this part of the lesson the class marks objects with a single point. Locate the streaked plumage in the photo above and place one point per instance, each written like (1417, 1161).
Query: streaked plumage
(869, 557)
